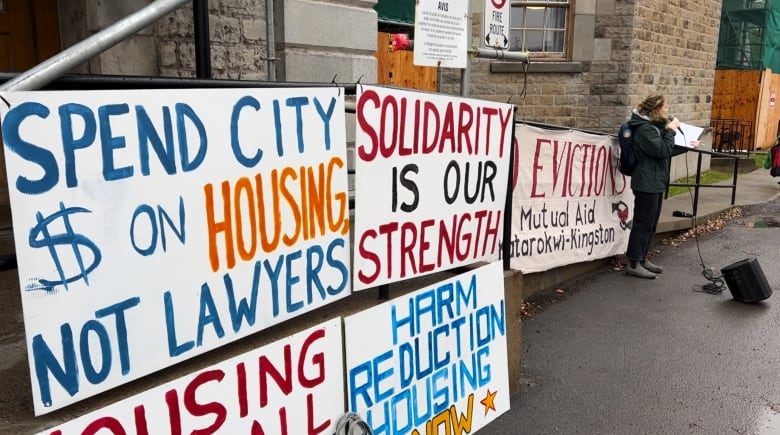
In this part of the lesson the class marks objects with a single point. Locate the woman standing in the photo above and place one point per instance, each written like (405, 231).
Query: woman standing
(653, 144)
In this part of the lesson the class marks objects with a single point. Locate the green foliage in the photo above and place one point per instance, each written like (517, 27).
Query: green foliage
(759, 157)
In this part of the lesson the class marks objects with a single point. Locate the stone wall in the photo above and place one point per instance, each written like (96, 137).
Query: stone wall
(674, 51)
(80, 19)
(309, 43)
(620, 52)
(237, 35)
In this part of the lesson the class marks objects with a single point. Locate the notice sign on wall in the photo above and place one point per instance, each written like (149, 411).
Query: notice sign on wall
(152, 226)
(433, 361)
(440, 33)
(431, 179)
(496, 28)
(292, 386)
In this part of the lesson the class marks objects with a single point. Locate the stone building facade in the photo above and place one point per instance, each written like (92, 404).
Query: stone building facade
(310, 41)
(621, 51)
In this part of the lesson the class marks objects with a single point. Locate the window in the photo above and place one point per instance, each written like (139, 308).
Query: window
(539, 26)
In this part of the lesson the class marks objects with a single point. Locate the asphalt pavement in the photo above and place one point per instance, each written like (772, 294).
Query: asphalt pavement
(614, 354)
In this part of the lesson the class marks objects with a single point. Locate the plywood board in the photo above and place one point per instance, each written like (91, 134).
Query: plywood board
(397, 68)
(735, 94)
(768, 111)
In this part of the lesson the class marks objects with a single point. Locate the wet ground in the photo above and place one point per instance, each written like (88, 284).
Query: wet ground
(612, 354)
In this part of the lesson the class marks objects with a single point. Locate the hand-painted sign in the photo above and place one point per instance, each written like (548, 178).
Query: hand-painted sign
(433, 361)
(570, 204)
(441, 33)
(430, 183)
(292, 386)
(154, 226)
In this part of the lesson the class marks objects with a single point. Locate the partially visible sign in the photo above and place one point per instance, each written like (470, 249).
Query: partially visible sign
(433, 361)
(496, 24)
(292, 386)
(440, 37)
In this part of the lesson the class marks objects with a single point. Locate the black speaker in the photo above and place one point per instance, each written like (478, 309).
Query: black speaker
(746, 281)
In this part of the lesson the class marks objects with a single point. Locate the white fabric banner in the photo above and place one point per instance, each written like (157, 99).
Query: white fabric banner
(570, 203)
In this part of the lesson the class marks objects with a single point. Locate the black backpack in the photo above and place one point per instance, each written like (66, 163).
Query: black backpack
(627, 162)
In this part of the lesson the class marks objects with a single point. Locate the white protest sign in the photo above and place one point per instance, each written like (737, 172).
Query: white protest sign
(152, 226)
(570, 203)
(292, 386)
(431, 176)
(496, 27)
(433, 361)
(440, 33)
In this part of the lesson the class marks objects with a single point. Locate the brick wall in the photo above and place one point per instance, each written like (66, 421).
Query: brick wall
(621, 51)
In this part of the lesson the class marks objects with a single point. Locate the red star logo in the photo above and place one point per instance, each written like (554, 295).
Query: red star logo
(487, 402)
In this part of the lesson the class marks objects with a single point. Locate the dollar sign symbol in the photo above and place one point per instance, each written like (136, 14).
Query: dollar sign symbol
(40, 237)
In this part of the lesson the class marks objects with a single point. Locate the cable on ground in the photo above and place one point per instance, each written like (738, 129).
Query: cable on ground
(716, 284)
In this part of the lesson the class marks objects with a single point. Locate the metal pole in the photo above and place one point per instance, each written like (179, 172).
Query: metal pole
(200, 11)
(734, 188)
(270, 40)
(55, 67)
(698, 184)
(507, 251)
(498, 54)
(465, 73)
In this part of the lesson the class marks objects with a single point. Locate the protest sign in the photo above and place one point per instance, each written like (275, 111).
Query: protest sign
(570, 203)
(152, 226)
(431, 178)
(433, 361)
(292, 386)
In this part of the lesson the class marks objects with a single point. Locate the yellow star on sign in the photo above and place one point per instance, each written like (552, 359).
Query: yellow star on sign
(487, 402)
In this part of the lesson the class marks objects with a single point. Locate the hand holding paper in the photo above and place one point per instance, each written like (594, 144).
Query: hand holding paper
(688, 136)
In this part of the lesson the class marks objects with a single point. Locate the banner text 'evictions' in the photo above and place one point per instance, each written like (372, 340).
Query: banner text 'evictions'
(570, 203)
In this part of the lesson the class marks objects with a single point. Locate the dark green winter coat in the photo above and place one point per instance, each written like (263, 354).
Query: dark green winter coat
(654, 148)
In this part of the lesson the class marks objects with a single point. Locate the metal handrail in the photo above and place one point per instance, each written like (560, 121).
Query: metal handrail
(65, 61)
(697, 184)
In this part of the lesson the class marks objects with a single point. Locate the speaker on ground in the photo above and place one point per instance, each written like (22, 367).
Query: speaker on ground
(746, 281)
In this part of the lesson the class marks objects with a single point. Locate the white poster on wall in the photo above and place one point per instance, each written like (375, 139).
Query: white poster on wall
(431, 176)
(570, 203)
(152, 226)
(432, 361)
(292, 386)
(440, 33)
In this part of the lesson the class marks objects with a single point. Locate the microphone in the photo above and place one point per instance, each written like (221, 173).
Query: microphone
(671, 118)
